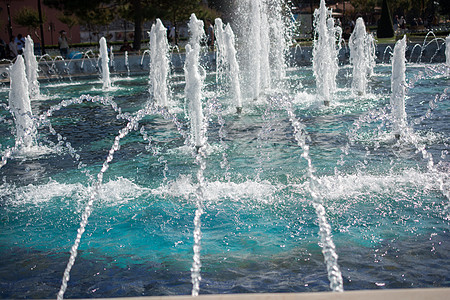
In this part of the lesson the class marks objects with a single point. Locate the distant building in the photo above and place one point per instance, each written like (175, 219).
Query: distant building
(52, 25)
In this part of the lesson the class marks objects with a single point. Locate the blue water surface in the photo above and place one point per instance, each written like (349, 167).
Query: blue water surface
(386, 205)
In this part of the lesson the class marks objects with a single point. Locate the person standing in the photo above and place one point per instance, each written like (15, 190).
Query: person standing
(172, 35)
(395, 24)
(12, 48)
(63, 44)
(2, 49)
(20, 43)
(402, 24)
(210, 34)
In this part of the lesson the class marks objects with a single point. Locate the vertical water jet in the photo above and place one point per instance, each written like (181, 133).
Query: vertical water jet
(398, 87)
(159, 63)
(193, 93)
(19, 103)
(194, 82)
(327, 39)
(221, 51)
(31, 69)
(263, 42)
(127, 64)
(254, 49)
(447, 54)
(361, 57)
(265, 47)
(105, 66)
(279, 37)
(227, 65)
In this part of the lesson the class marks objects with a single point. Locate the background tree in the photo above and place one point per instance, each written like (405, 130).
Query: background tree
(179, 11)
(69, 20)
(92, 14)
(96, 13)
(444, 7)
(29, 17)
(385, 28)
(138, 11)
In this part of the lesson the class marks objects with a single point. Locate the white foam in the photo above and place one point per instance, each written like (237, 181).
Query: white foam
(114, 192)
(183, 186)
(356, 185)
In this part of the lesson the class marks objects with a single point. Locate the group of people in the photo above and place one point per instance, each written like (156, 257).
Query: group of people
(15, 47)
(399, 24)
(172, 35)
(17, 43)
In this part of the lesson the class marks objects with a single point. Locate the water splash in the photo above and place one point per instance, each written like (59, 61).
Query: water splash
(104, 63)
(131, 125)
(314, 186)
(143, 57)
(86, 55)
(199, 195)
(159, 63)
(262, 24)
(398, 87)
(327, 40)
(111, 59)
(193, 92)
(19, 103)
(227, 65)
(265, 47)
(250, 54)
(280, 34)
(194, 82)
(127, 65)
(447, 54)
(425, 45)
(361, 57)
(221, 51)
(32, 69)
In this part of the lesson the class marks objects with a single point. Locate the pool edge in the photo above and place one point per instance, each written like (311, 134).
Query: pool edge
(386, 294)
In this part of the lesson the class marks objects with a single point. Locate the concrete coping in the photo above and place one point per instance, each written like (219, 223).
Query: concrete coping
(386, 294)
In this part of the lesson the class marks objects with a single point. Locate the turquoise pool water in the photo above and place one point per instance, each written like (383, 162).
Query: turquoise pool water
(386, 205)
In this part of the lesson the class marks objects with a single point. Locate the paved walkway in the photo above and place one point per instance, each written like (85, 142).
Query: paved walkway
(394, 294)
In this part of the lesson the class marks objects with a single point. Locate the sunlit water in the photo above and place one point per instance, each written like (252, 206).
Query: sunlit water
(387, 209)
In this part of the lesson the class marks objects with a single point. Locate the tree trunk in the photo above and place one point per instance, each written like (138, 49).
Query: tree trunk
(137, 8)
(41, 27)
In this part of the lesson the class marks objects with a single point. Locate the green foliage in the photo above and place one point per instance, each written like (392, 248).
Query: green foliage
(69, 20)
(444, 7)
(28, 17)
(205, 13)
(364, 6)
(77, 7)
(179, 10)
(148, 9)
(385, 28)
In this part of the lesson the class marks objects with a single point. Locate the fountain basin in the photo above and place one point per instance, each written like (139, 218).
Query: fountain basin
(386, 208)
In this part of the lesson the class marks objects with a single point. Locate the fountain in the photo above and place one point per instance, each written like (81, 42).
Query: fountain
(19, 103)
(327, 40)
(447, 53)
(159, 64)
(398, 86)
(227, 66)
(31, 69)
(289, 196)
(104, 64)
(263, 58)
(111, 59)
(254, 56)
(361, 57)
(194, 82)
(127, 63)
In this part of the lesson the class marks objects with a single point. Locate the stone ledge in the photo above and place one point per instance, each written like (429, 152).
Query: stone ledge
(388, 294)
